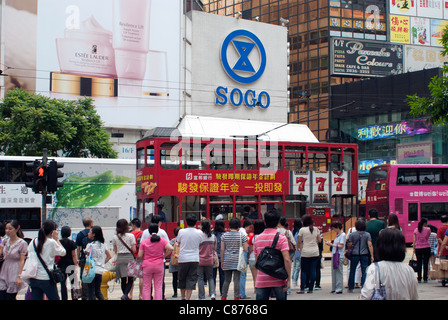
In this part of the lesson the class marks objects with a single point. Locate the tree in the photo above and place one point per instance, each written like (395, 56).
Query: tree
(435, 106)
(31, 122)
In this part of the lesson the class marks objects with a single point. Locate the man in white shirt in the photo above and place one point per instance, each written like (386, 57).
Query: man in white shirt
(162, 233)
(189, 240)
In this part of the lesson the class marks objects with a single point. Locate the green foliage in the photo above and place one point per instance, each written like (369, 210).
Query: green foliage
(29, 123)
(435, 106)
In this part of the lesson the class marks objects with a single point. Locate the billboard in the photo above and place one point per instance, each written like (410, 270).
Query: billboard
(414, 153)
(404, 128)
(239, 68)
(366, 58)
(423, 57)
(123, 54)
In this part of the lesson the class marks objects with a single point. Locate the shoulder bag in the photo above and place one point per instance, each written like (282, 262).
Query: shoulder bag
(270, 261)
(379, 292)
(134, 268)
(349, 252)
(175, 254)
(88, 273)
(30, 267)
(56, 275)
(241, 259)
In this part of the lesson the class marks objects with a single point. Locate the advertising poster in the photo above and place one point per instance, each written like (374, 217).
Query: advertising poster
(366, 58)
(399, 29)
(423, 57)
(430, 8)
(437, 30)
(414, 153)
(122, 54)
(403, 7)
(420, 31)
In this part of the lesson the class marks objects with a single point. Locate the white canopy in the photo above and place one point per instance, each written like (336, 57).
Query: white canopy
(224, 128)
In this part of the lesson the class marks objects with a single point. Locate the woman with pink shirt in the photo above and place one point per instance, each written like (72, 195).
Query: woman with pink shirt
(422, 249)
(152, 251)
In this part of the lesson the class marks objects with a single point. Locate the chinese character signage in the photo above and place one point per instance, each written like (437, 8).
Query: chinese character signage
(423, 57)
(399, 29)
(412, 127)
(403, 7)
(366, 58)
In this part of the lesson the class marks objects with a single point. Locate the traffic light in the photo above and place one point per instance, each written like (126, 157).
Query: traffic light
(52, 176)
(30, 181)
(40, 178)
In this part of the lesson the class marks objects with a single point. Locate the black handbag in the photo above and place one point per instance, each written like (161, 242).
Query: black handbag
(56, 275)
(413, 263)
(270, 261)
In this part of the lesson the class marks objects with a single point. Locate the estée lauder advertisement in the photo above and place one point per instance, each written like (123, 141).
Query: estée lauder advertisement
(124, 54)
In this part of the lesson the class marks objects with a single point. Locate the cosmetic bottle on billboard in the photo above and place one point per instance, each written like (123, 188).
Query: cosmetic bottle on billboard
(86, 62)
(131, 43)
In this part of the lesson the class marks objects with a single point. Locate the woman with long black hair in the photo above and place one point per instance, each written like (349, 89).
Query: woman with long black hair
(46, 245)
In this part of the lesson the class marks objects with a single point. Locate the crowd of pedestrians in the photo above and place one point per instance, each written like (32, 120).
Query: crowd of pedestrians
(214, 257)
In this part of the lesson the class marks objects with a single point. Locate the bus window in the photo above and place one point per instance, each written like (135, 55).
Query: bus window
(412, 212)
(407, 176)
(433, 211)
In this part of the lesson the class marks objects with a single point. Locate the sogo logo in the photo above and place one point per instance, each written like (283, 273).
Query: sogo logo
(241, 45)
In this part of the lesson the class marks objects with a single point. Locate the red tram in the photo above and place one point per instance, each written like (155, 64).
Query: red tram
(239, 176)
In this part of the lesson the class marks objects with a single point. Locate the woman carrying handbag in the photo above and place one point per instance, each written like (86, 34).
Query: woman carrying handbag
(124, 255)
(47, 247)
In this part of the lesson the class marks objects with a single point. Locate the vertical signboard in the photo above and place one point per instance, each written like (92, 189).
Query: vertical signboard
(399, 29)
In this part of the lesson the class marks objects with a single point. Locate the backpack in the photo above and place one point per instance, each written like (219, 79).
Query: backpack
(270, 261)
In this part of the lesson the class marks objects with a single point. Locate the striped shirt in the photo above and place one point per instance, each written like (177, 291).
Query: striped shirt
(206, 250)
(232, 242)
(265, 239)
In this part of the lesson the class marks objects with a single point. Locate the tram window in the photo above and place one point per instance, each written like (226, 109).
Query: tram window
(336, 163)
(150, 156)
(348, 162)
(294, 161)
(246, 157)
(192, 156)
(169, 156)
(318, 162)
(220, 156)
(140, 158)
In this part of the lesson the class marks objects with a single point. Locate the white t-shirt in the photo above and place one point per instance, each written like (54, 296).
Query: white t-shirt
(189, 240)
(99, 255)
(50, 250)
(342, 238)
(128, 238)
(162, 234)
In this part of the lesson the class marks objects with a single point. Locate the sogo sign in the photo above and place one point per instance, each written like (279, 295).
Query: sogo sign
(243, 71)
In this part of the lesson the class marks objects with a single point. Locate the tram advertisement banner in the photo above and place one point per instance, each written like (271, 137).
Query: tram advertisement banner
(319, 187)
(212, 183)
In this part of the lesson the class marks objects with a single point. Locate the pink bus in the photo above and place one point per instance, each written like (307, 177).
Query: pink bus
(411, 192)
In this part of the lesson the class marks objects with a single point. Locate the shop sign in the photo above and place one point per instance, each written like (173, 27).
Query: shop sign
(366, 58)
